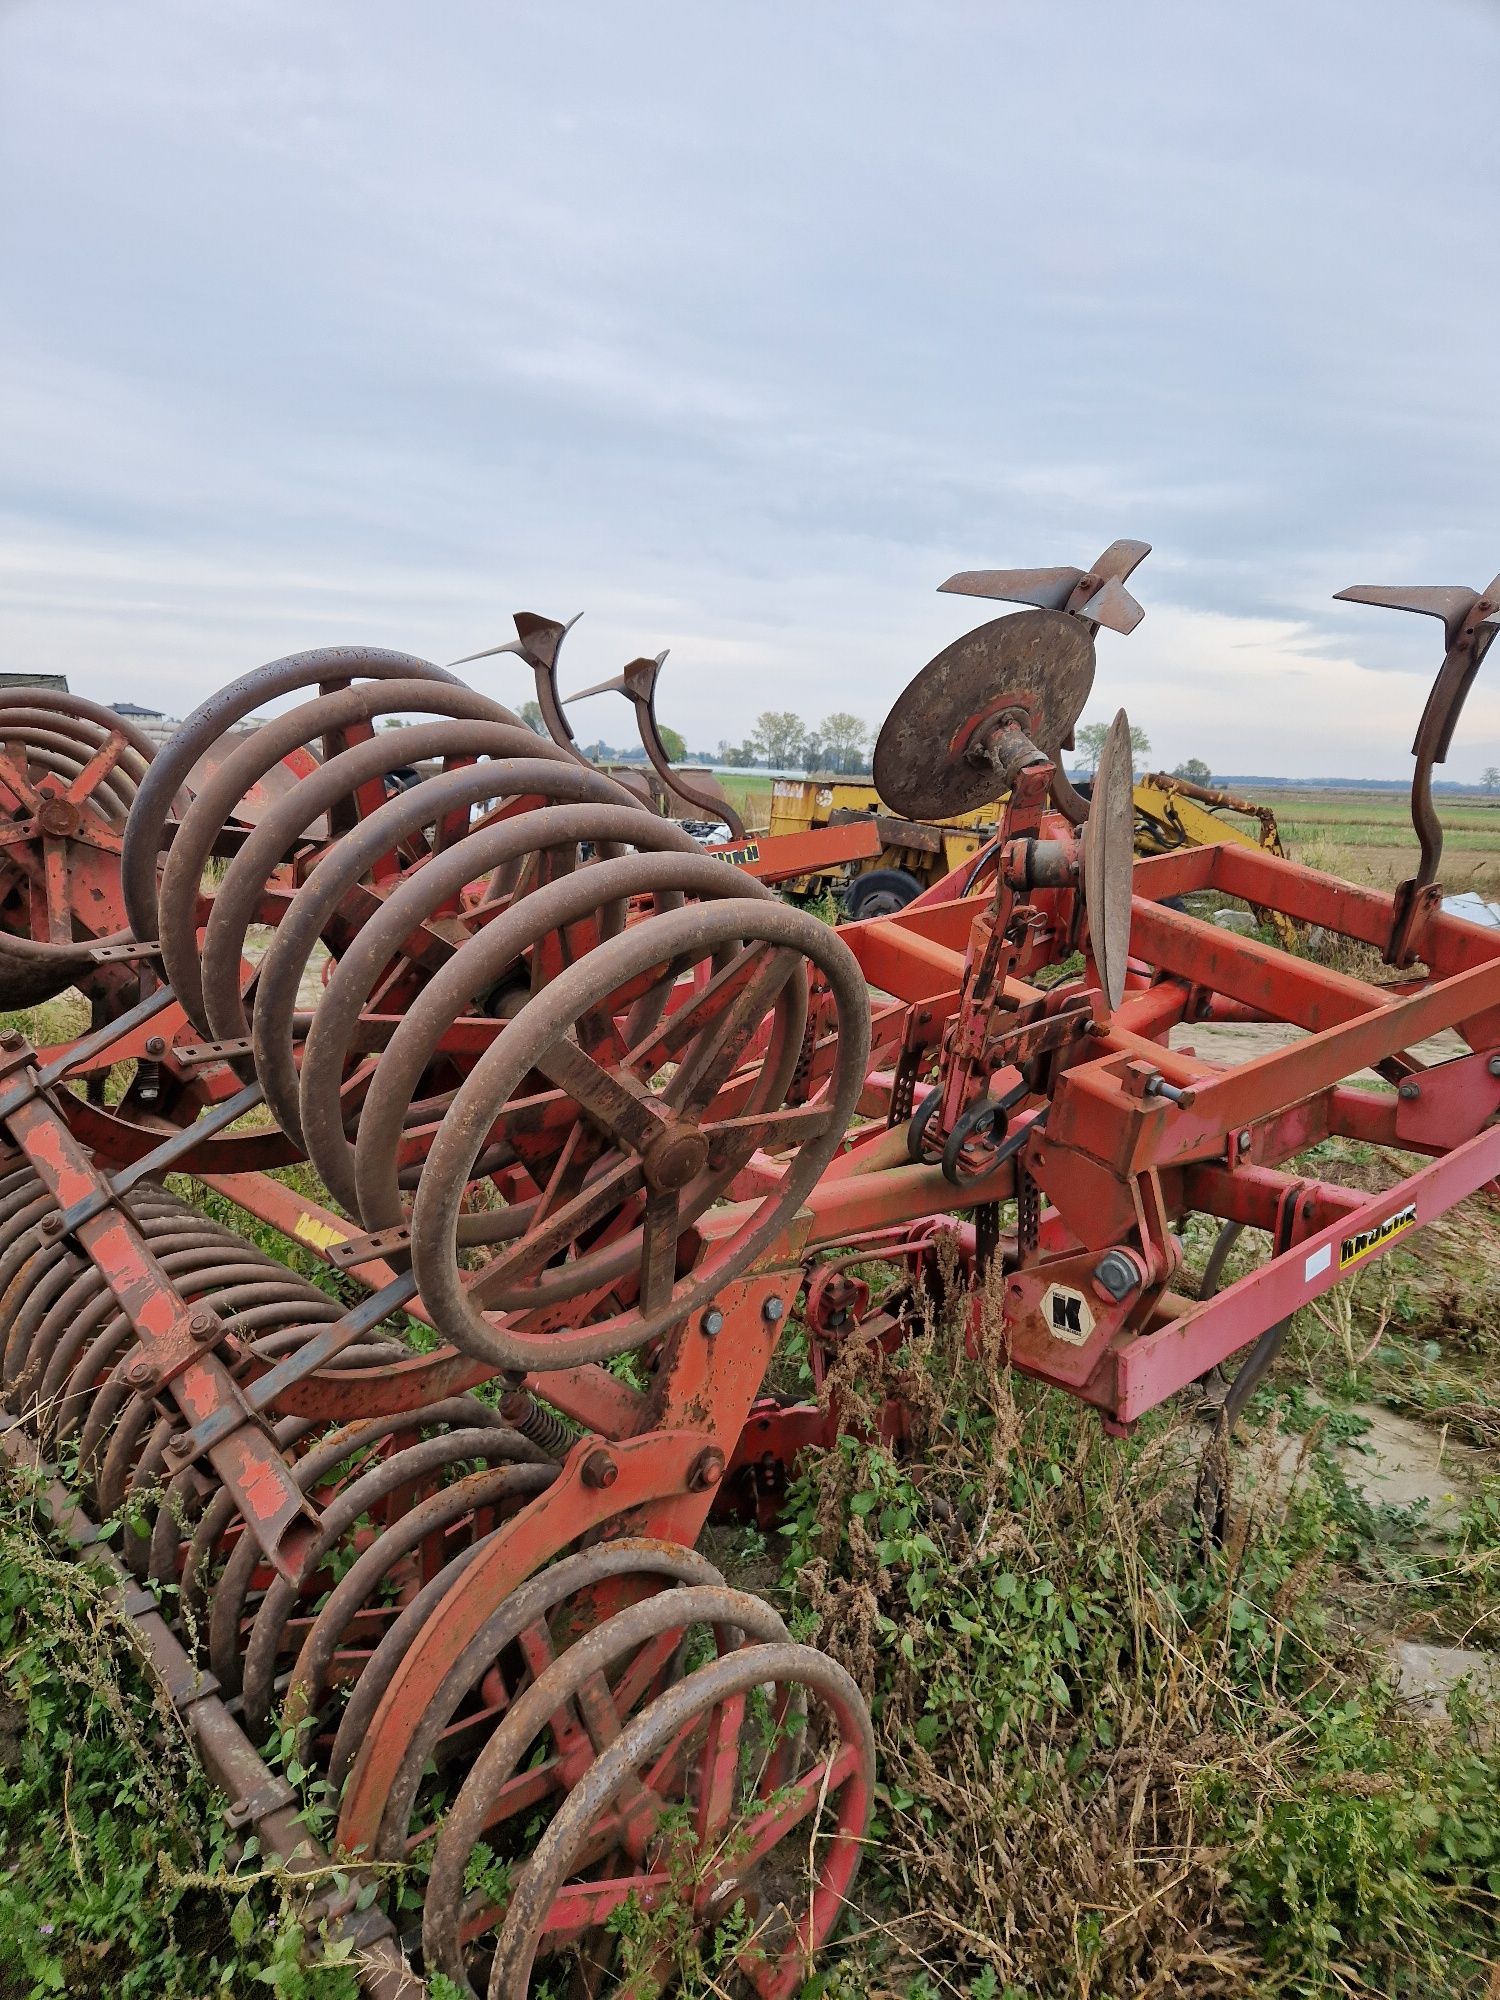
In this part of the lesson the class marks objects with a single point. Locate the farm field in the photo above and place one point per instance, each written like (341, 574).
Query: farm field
(1368, 836)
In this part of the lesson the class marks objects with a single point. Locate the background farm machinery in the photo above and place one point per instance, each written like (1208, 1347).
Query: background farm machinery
(588, 1116)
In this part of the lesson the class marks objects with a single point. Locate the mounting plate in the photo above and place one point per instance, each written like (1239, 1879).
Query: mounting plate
(1040, 663)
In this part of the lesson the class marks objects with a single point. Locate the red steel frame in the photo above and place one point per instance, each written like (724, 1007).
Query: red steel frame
(1118, 1164)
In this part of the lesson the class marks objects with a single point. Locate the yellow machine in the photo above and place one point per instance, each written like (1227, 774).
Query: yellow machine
(1169, 813)
(913, 855)
(1174, 812)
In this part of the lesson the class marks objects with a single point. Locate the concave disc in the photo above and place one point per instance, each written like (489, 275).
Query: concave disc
(1042, 660)
(1109, 859)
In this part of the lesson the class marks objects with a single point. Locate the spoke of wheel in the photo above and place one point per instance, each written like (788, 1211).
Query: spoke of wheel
(659, 1232)
(560, 949)
(59, 913)
(718, 1769)
(713, 1059)
(761, 1832)
(771, 1131)
(639, 1679)
(580, 1148)
(706, 1005)
(583, 1905)
(627, 1114)
(15, 784)
(96, 769)
(536, 1648)
(538, 1248)
(521, 1794)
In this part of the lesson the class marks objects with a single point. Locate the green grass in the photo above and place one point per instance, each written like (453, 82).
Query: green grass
(1113, 1762)
(117, 1872)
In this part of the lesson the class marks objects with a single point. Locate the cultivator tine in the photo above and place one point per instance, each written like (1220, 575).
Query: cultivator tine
(1112, 605)
(1048, 589)
(1469, 619)
(1097, 595)
(637, 682)
(1452, 603)
(538, 641)
(619, 685)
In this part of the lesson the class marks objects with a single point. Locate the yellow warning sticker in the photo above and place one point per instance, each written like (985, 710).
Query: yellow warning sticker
(738, 857)
(321, 1235)
(1377, 1235)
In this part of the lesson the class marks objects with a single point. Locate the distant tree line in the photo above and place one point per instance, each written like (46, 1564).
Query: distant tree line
(840, 743)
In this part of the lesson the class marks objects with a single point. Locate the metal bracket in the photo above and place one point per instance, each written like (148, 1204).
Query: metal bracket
(190, 1336)
(195, 1055)
(371, 1248)
(267, 1798)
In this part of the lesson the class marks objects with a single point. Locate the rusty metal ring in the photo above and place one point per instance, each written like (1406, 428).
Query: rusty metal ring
(292, 818)
(642, 1739)
(410, 1468)
(735, 1617)
(473, 971)
(477, 1493)
(190, 851)
(370, 951)
(327, 666)
(228, 1593)
(540, 1025)
(531, 1601)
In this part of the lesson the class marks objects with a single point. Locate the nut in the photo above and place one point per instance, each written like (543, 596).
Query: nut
(706, 1470)
(772, 1310)
(51, 1225)
(599, 1469)
(139, 1373)
(1409, 1090)
(155, 1046)
(12, 1039)
(712, 1321)
(200, 1322)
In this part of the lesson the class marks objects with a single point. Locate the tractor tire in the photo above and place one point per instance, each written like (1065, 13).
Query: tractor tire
(880, 893)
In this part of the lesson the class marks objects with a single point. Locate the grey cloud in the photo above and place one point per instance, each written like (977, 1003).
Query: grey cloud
(738, 326)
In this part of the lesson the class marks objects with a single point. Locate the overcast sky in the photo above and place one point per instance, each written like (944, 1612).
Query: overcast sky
(738, 328)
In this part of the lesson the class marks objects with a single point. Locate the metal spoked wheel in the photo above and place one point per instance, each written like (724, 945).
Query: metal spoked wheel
(630, 1137)
(69, 772)
(716, 1837)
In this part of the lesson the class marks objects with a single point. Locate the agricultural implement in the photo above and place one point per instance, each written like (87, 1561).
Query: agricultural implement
(916, 853)
(589, 1117)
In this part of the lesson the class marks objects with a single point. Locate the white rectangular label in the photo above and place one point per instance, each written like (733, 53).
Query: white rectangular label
(1318, 1261)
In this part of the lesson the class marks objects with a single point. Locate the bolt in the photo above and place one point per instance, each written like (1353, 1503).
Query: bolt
(12, 1039)
(1495, 1065)
(1409, 1090)
(51, 1225)
(712, 1321)
(707, 1470)
(1116, 1275)
(772, 1310)
(155, 1046)
(239, 1809)
(599, 1469)
(1245, 1141)
(200, 1322)
(139, 1373)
